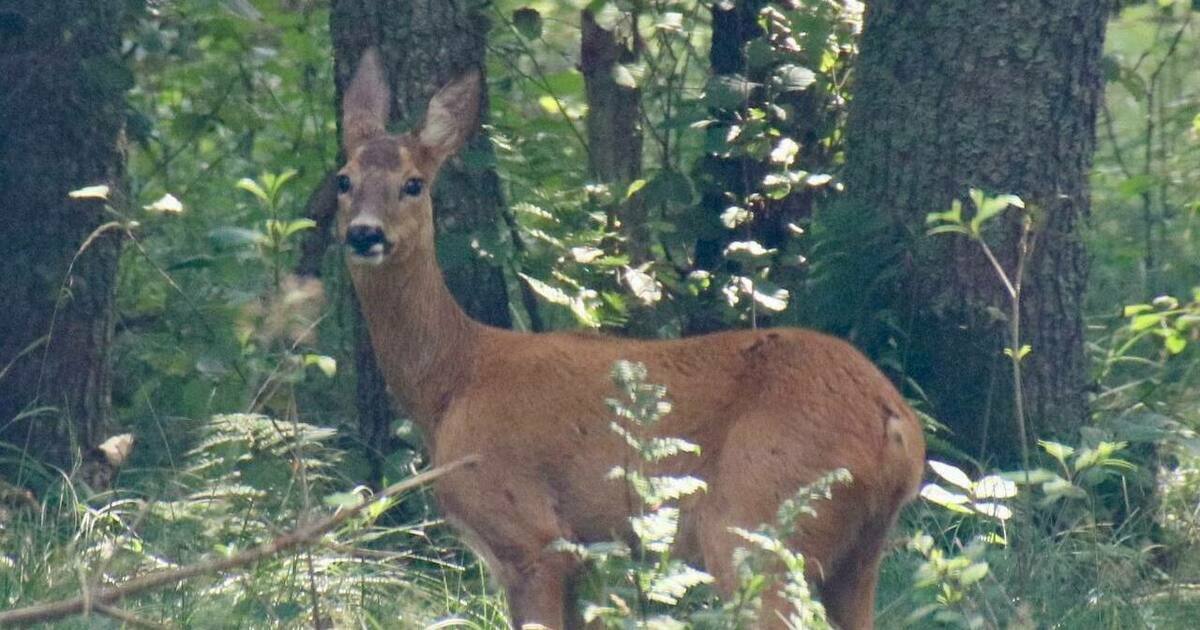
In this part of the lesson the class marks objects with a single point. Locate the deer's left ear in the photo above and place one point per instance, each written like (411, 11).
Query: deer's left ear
(366, 104)
(452, 116)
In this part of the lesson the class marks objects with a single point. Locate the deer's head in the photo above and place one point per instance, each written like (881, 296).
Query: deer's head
(384, 208)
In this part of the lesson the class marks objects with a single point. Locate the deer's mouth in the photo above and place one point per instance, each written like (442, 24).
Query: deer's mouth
(374, 255)
(366, 244)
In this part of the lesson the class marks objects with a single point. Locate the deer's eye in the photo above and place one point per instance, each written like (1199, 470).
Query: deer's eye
(413, 187)
(343, 184)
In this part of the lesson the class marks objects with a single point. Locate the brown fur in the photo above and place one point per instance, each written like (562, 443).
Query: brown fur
(772, 410)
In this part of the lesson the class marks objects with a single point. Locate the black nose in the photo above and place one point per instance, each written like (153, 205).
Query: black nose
(362, 238)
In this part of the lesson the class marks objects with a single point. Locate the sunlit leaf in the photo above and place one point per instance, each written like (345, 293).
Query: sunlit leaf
(167, 204)
(252, 187)
(952, 474)
(994, 487)
(785, 151)
(90, 192)
(994, 510)
(973, 573)
(327, 365)
(622, 76)
(1056, 450)
(952, 501)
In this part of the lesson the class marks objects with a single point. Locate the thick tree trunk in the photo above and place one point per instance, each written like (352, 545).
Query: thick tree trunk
(957, 94)
(62, 86)
(425, 43)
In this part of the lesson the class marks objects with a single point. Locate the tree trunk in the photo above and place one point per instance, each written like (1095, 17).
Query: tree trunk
(61, 129)
(423, 44)
(614, 128)
(956, 94)
(718, 178)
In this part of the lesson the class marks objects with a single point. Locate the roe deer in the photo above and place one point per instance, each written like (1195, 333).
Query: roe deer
(772, 410)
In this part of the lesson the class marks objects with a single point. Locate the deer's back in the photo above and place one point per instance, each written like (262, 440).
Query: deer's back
(534, 411)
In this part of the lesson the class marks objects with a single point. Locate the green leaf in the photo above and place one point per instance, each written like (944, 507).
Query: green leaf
(1135, 186)
(634, 187)
(989, 207)
(167, 204)
(953, 215)
(734, 216)
(747, 251)
(622, 76)
(951, 474)
(342, 500)
(770, 297)
(298, 224)
(777, 186)
(1145, 321)
(1134, 309)
(670, 21)
(1025, 349)
(1060, 487)
(950, 500)
(994, 487)
(785, 152)
(973, 573)
(725, 91)
(997, 511)
(528, 22)
(669, 587)
(1175, 342)
(669, 187)
(1058, 451)
(327, 365)
(948, 229)
(793, 78)
(252, 187)
(90, 192)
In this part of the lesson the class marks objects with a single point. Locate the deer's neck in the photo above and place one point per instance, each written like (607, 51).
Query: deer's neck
(423, 341)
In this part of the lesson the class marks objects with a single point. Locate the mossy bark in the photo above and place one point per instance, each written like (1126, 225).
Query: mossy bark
(424, 44)
(1000, 96)
(62, 116)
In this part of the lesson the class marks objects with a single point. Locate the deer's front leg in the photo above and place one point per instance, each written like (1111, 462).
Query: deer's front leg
(510, 521)
(539, 591)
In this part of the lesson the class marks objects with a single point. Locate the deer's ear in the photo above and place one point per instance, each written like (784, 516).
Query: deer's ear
(366, 104)
(452, 116)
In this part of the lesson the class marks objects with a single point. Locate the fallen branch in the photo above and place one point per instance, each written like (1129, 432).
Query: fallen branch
(103, 598)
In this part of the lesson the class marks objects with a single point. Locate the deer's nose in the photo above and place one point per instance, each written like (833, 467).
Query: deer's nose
(363, 239)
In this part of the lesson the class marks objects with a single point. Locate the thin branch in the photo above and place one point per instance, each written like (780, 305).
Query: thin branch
(128, 618)
(303, 535)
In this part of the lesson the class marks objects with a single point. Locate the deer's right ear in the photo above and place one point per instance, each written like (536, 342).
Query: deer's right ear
(367, 102)
(452, 116)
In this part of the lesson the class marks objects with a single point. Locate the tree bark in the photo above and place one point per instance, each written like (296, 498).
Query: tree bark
(956, 94)
(614, 128)
(61, 128)
(423, 44)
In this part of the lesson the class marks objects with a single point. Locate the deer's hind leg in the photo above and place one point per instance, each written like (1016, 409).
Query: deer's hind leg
(763, 462)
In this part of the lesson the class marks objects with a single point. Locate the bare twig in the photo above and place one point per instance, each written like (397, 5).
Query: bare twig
(300, 536)
(128, 618)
